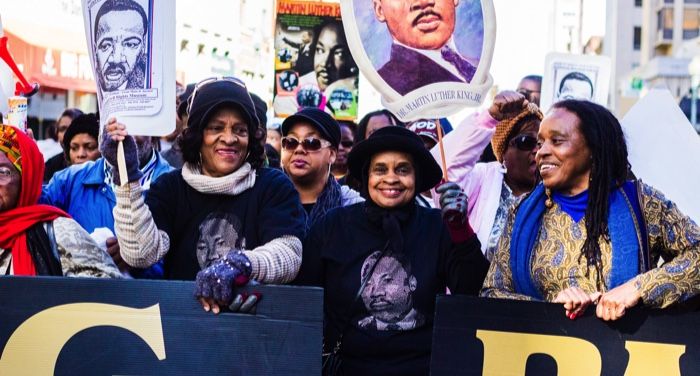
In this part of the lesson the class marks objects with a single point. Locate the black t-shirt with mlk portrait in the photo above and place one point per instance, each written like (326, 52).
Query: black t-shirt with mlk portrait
(389, 331)
(203, 227)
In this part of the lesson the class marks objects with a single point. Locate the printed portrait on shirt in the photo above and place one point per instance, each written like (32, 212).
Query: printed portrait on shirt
(388, 294)
(219, 233)
(409, 48)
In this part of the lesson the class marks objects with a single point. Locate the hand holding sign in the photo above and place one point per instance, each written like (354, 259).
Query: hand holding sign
(115, 135)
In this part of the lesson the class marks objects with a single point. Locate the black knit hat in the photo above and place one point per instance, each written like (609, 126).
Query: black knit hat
(260, 109)
(209, 97)
(86, 123)
(323, 122)
(428, 172)
(184, 100)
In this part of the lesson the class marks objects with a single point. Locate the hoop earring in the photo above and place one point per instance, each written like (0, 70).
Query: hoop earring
(548, 203)
(505, 168)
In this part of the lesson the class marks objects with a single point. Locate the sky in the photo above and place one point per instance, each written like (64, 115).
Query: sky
(523, 38)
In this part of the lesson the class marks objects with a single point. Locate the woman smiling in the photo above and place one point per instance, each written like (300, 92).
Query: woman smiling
(382, 262)
(589, 235)
(222, 219)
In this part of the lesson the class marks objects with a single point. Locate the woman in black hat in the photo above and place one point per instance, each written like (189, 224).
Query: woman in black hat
(382, 262)
(222, 218)
(309, 148)
(80, 140)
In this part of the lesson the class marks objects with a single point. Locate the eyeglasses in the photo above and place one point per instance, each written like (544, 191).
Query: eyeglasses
(308, 144)
(347, 144)
(208, 81)
(6, 175)
(524, 142)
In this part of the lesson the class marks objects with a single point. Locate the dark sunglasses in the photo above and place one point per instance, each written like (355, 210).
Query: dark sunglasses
(347, 144)
(524, 142)
(308, 144)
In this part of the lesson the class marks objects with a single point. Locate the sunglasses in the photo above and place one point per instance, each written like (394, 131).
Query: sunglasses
(208, 81)
(347, 144)
(308, 144)
(524, 142)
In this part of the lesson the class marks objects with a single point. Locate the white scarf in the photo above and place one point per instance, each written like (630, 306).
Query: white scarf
(231, 184)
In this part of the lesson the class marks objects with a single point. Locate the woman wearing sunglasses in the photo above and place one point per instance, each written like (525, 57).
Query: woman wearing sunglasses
(493, 188)
(382, 262)
(309, 149)
(587, 234)
(222, 218)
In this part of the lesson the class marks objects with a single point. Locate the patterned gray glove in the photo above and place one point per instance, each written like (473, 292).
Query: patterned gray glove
(219, 279)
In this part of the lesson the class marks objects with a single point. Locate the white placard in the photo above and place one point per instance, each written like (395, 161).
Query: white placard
(664, 149)
(569, 76)
(132, 53)
(427, 61)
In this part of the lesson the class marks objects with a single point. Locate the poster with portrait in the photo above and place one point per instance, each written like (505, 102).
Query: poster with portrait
(132, 52)
(568, 76)
(313, 64)
(429, 60)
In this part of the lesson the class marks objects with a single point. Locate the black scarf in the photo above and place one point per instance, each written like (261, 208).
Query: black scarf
(391, 221)
(39, 245)
(330, 198)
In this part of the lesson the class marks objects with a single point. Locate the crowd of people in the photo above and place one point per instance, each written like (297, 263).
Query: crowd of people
(535, 207)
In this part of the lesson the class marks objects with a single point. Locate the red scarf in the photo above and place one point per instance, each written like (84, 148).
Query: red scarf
(15, 222)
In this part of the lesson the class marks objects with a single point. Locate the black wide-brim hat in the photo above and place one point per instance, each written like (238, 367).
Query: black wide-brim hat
(428, 172)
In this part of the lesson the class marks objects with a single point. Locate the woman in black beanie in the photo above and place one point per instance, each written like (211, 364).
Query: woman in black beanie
(382, 262)
(222, 219)
(80, 140)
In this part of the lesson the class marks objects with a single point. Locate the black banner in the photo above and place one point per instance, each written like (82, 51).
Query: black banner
(66, 326)
(503, 337)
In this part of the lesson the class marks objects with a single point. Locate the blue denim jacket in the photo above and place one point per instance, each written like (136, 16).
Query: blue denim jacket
(81, 191)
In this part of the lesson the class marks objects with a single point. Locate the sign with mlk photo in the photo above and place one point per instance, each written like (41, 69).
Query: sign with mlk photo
(313, 64)
(133, 57)
(427, 59)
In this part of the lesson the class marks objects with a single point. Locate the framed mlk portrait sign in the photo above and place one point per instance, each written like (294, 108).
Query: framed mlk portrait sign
(569, 76)
(132, 53)
(427, 59)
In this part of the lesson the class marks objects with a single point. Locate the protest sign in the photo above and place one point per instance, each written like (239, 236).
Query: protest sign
(664, 149)
(313, 64)
(71, 326)
(425, 64)
(568, 76)
(132, 53)
(474, 336)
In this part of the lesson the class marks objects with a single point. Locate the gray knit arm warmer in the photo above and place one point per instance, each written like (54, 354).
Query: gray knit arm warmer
(277, 261)
(141, 243)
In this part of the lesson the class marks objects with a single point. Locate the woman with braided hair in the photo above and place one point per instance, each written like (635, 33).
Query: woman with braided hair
(589, 235)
